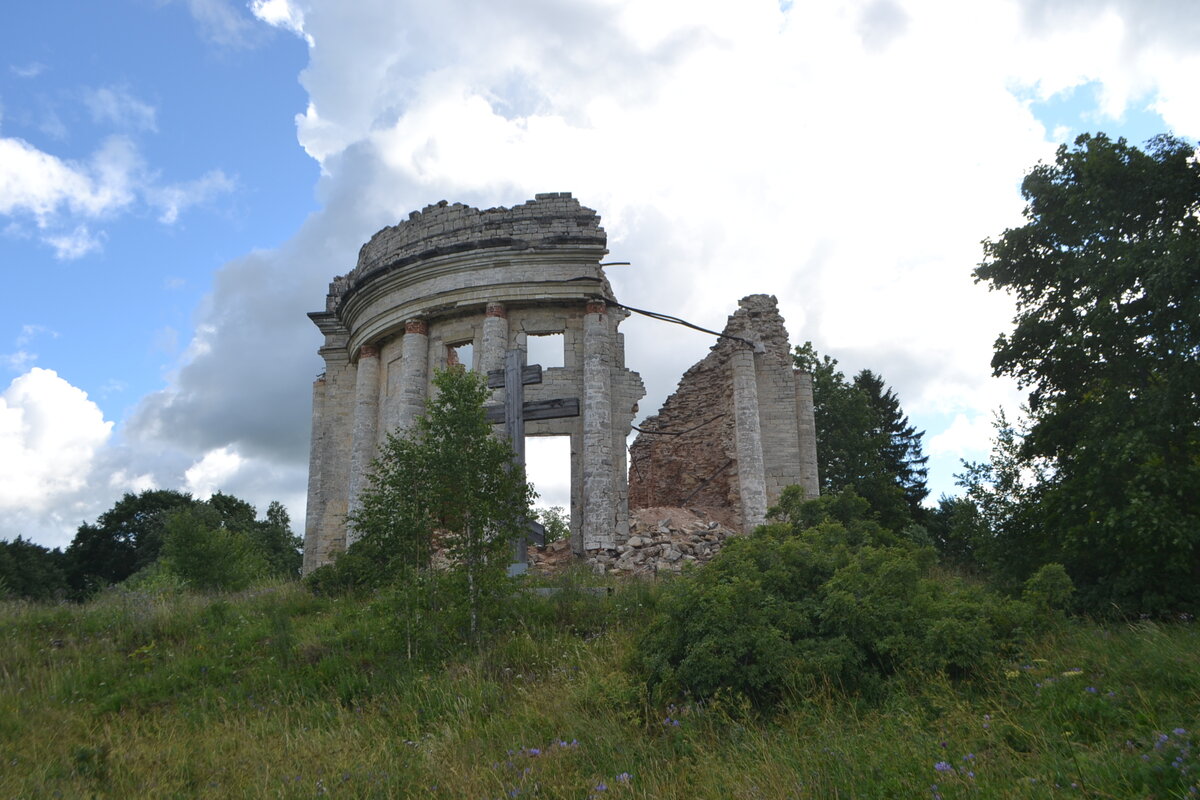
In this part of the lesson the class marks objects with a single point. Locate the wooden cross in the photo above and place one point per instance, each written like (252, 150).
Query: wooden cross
(515, 376)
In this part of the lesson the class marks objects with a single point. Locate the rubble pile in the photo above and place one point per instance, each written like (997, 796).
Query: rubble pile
(661, 539)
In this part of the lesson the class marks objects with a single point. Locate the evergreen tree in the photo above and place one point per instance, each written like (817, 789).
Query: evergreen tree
(860, 447)
(902, 451)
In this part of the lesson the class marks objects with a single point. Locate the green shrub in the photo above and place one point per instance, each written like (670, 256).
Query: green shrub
(832, 598)
(1050, 588)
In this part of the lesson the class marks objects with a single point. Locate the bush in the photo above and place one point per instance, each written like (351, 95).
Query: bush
(833, 598)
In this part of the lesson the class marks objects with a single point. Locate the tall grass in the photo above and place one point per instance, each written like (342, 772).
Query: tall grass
(275, 693)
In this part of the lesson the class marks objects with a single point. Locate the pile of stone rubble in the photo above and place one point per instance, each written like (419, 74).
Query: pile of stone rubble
(661, 540)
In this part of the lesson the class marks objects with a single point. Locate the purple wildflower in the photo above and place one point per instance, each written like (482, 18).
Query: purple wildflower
(943, 766)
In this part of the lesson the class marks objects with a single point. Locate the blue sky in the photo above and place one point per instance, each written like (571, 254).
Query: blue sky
(180, 179)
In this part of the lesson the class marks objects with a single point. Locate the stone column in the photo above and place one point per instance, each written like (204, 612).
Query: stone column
(315, 508)
(495, 338)
(748, 435)
(414, 373)
(807, 423)
(366, 423)
(599, 518)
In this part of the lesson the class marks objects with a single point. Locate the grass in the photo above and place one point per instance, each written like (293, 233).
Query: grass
(275, 693)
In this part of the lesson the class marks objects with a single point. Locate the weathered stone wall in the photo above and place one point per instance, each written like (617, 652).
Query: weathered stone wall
(729, 438)
(451, 275)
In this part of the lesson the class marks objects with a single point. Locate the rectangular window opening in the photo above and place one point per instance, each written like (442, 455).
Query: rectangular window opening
(547, 349)
(463, 354)
(548, 468)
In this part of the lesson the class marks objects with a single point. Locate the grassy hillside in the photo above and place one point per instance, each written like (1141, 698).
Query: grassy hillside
(276, 693)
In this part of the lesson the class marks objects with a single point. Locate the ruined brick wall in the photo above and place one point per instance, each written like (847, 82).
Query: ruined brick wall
(696, 451)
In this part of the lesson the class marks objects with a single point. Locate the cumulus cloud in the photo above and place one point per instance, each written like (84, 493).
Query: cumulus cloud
(212, 472)
(281, 14)
(50, 433)
(41, 184)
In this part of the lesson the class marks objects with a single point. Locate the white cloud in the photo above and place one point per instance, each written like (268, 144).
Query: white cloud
(212, 472)
(75, 244)
(281, 14)
(58, 192)
(173, 199)
(116, 106)
(41, 184)
(50, 433)
(967, 436)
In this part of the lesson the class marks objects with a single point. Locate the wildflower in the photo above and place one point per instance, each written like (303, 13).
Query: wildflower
(943, 766)
(969, 757)
(533, 751)
(1180, 732)
(624, 777)
(600, 787)
(1090, 690)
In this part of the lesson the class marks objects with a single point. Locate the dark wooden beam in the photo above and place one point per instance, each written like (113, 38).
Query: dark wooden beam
(538, 409)
(529, 375)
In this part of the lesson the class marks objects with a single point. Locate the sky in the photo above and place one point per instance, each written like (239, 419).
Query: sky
(180, 179)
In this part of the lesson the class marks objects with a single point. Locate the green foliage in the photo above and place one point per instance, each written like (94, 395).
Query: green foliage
(276, 693)
(958, 532)
(123, 540)
(1049, 589)
(451, 484)
(864, 440)
(30, 571)
(207, 554)
(1107, 291)
(556, 521)
(831, 598)
(129, 539)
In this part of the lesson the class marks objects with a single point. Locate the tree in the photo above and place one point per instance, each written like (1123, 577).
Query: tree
(864, 440)
(902, 449)
(450, 484)
(123, 540)
(1106, 277)
(208, 554)
(31, 571)
(130, 536)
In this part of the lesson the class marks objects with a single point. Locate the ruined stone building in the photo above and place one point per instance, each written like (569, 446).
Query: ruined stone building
(450, 279)
(453, 283)
(737, 430)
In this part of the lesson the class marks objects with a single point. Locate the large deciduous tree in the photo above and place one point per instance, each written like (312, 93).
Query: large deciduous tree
(1106, 277)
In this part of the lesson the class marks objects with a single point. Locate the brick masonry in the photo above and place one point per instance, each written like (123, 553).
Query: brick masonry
(690, 454)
